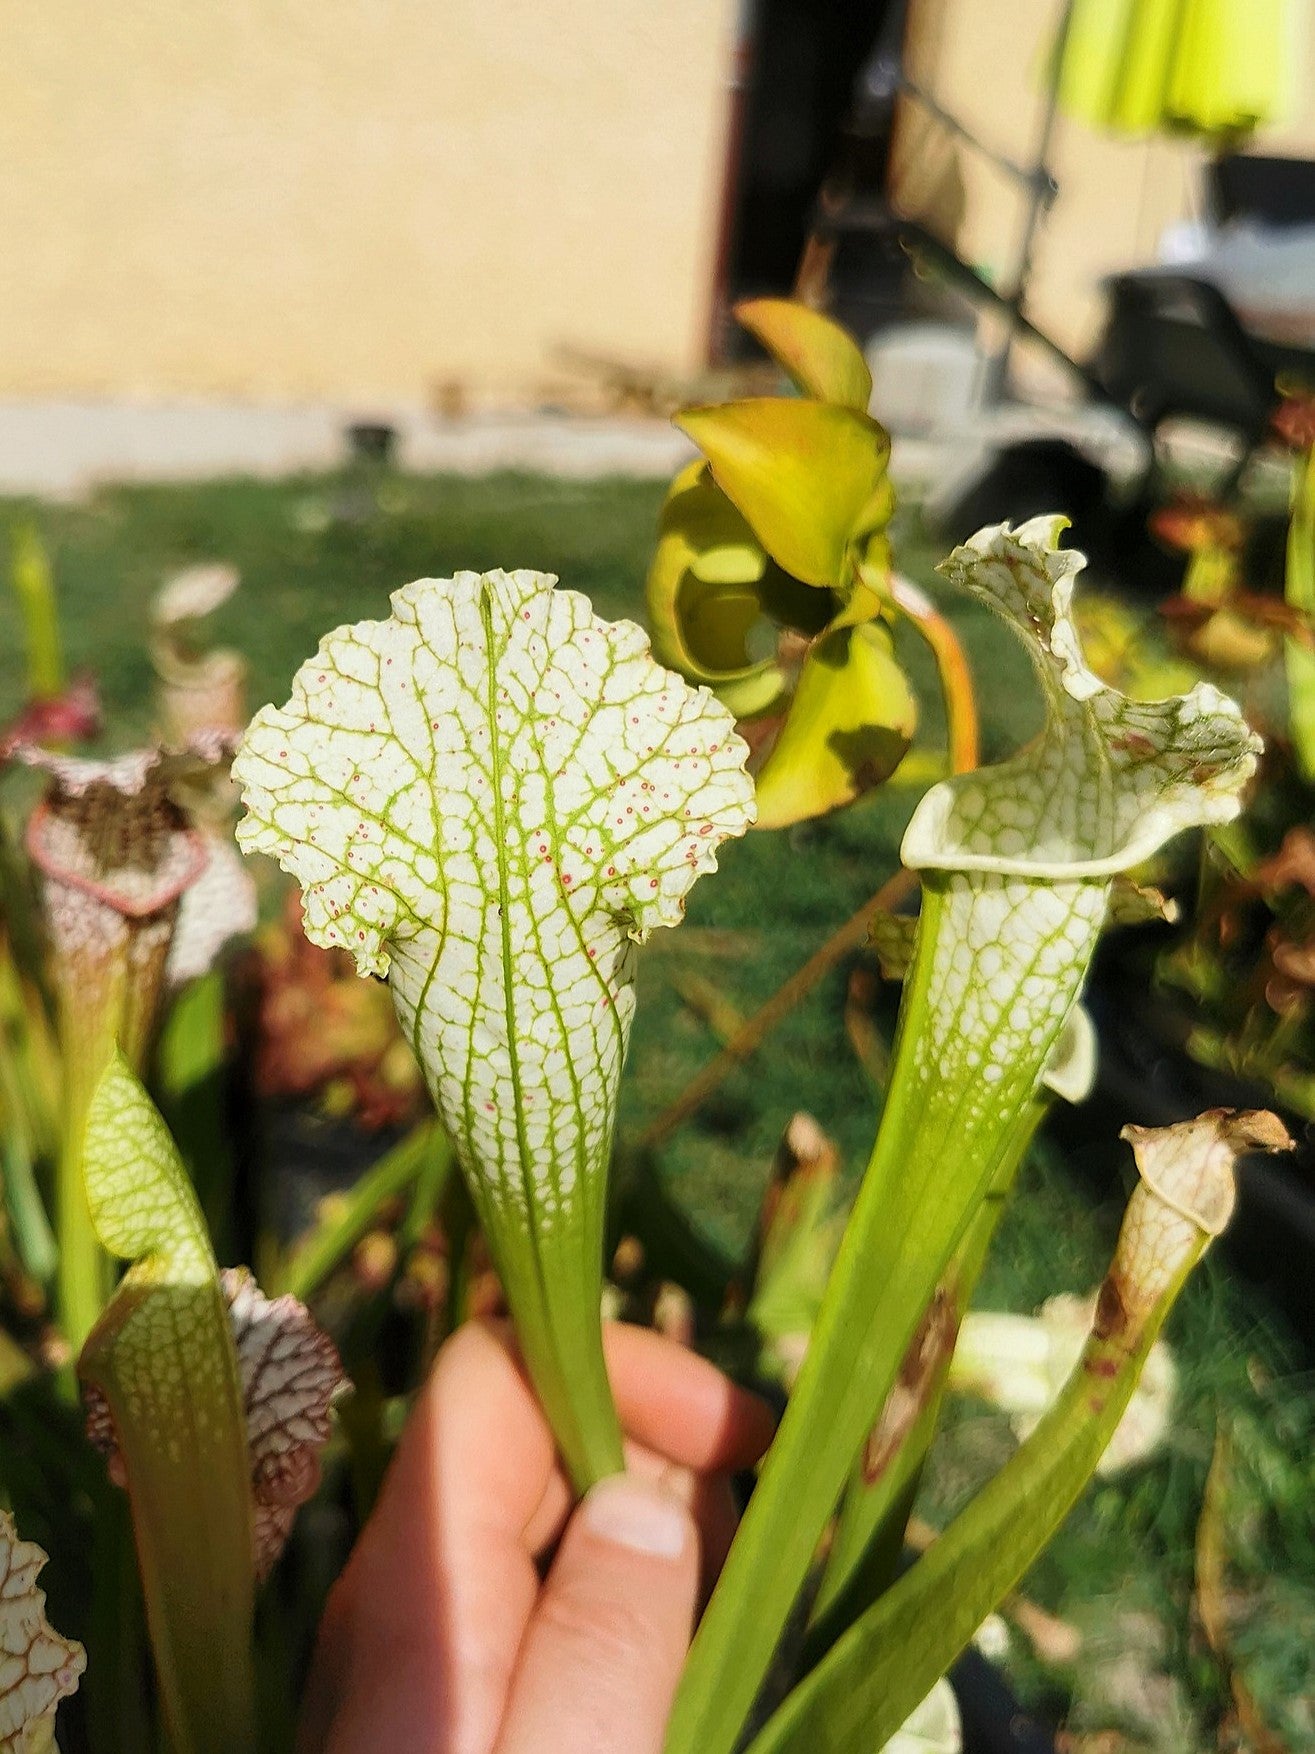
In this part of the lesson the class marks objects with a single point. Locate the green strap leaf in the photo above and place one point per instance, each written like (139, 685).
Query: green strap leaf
(318, 1254)
(822, 359)
(34, 586)
(491, 799)
(1018, 860)
(163, 1358)
(806, 475)
(884, 1664)
(868, 1537)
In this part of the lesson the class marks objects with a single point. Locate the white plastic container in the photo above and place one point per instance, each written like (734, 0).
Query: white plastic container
(927, 378)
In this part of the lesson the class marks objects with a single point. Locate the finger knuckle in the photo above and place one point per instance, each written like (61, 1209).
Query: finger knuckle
(612, 1629)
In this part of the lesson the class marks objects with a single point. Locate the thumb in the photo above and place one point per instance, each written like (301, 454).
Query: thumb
(604, 1648)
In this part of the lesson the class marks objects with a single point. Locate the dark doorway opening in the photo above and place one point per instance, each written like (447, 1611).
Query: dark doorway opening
(820, 82)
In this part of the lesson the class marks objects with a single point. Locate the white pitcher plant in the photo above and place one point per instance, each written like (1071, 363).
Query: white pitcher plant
(491, 799)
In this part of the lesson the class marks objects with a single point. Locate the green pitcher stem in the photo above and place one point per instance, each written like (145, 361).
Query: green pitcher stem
(554, 1287)
(1017, 862)
(865, 1688)
(163, 1357)
(869, 1536)
(945, 1139)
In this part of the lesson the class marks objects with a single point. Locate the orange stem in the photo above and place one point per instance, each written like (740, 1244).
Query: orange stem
(952, 667)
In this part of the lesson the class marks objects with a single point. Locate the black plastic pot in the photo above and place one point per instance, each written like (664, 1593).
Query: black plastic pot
(306, 1155)
(994, 1722)
(371, 441)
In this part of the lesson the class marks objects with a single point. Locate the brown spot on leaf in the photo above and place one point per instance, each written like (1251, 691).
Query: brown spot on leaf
(1111, 1318)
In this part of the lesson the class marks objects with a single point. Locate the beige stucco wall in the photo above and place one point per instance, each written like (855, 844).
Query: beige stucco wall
(353, 198)
(982, 61)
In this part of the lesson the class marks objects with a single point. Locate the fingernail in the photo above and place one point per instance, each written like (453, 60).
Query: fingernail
(632, 1514)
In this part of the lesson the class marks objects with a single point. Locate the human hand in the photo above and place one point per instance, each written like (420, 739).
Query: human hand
(443, 1636)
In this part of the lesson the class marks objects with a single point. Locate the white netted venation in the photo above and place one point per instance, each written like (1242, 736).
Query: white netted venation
(490, 798)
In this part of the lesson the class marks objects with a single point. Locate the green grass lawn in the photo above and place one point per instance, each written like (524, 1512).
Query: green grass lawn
(314, 552)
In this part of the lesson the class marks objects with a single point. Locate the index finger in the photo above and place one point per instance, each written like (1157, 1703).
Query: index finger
(424, 1628)
(678, 1404)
